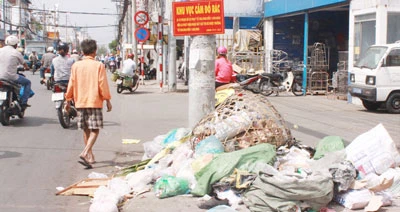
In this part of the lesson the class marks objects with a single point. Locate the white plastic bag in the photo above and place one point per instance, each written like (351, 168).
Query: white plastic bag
(140, 181)
(373, 151)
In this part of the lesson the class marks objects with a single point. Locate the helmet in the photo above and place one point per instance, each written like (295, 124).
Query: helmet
(12, 40)
(50, 49)
(130, 55)
(222, 50)
(74, 51)
(63, 46)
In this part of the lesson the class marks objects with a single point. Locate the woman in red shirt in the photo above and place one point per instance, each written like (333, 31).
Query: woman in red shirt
(223, 68)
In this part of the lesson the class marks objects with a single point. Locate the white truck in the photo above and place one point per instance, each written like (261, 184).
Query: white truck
(375, 78)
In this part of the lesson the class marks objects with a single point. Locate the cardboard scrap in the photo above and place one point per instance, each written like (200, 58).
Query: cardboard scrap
(374, 204)
(359, 184)
(383, 185)
(85, 187)
(130, 141)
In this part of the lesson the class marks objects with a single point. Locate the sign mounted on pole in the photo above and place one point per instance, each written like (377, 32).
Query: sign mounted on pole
(141, 18)
(198, 17)
(142, 34)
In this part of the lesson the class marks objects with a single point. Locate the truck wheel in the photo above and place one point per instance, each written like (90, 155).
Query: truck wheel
(373, 106)
(393, 103)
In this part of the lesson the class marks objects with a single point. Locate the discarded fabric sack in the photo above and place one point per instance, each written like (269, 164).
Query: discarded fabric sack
(274, 191)
(224, 164)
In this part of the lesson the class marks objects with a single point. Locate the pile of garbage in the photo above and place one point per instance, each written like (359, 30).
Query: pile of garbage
(243, 153)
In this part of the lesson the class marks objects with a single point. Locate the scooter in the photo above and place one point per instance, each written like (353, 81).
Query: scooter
(10, 100)
(127, 83)
(113, 66)
(49, 80)
(280, 82)
(64, 117)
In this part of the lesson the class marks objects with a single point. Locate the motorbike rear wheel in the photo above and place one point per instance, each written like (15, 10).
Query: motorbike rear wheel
(4, 116)
(133, 89)
(48, 84)
(119, 89)
(266, 88)
(297, 89)
(63, 117)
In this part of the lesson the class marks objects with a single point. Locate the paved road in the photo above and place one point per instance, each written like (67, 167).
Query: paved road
(37, 155)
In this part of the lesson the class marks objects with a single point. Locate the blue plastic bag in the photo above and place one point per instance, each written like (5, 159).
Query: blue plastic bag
(209, 145)
(170, 137)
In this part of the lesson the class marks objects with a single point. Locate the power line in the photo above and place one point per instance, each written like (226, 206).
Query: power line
(71, 12)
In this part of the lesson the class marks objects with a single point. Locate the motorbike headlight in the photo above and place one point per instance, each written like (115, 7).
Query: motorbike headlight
(352, 78)
(370, 80)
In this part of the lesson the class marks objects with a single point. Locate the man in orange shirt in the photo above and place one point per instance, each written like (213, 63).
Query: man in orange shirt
(88, 88)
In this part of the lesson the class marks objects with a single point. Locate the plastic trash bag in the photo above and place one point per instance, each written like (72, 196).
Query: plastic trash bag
(151, 148)
(328, 144)
(209, 145)
(169, 186)
(97, 175)
(221, 208)
(174, 135)
(373, 151)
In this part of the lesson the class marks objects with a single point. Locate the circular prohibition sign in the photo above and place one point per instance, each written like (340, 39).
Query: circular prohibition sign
(142, 34)
(141, 18)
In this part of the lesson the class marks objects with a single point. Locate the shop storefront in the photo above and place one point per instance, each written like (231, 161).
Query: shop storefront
(314, 33)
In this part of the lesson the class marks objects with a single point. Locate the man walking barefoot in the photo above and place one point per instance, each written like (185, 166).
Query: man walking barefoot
(88, 88)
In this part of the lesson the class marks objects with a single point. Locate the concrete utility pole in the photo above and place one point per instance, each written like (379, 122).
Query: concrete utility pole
(19, 23)
(172, 58)
(201, 78)
(134, 42)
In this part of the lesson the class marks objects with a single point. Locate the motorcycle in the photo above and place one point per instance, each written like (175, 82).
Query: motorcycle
(35, 67)
(10, 100)
(49, 82)
(64, 117)
(280, 82)
(127, 83)
(113, 66)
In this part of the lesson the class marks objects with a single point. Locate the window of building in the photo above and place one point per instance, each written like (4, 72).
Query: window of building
(393, 27)
(364, 33)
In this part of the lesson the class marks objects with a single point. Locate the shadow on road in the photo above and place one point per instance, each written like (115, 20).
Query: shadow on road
(32, 121)
(9, 154)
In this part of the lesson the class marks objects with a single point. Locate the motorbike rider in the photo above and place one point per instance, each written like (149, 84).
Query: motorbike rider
(62, 64)
(223, 68)
(75, 55)
(129, 66)
(10, 58)
(33, 58)
(46, 61)
(111, 60)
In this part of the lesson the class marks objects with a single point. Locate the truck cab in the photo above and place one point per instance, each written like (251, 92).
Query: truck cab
(375, 78)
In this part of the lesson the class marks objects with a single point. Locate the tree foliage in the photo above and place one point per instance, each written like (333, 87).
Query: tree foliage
(102, 50)
(113, 46)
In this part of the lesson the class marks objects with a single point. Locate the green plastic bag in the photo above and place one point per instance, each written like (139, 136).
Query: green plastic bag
(169, 186)
(328, 144)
